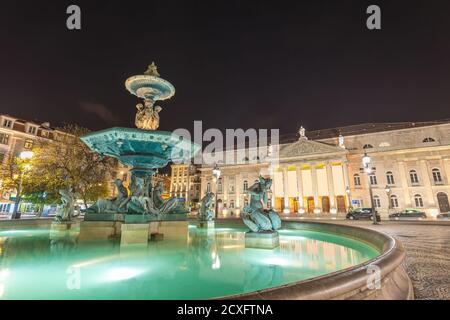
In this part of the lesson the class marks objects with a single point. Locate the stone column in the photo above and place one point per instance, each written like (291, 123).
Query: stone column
(347, 181)
(330, 183)
(315, 188)
(427, 184)
(446, 169)
(300, 188)
(237, 190)
(285, 191)
(405, 184)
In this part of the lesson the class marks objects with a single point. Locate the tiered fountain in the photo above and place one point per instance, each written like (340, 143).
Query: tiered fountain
(144, 149)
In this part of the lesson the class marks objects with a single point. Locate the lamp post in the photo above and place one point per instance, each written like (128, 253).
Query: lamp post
(388, 193)
(216, 176)
(347, 191)
(366, 160)
(24, 155)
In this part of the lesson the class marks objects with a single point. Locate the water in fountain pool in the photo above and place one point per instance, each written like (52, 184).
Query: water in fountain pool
(207, 265)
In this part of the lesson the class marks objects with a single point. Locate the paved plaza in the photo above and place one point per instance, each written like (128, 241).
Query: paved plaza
(427, 255)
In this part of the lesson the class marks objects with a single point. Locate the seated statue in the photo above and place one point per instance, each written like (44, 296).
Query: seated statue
(115, 205)
(68, 202)
(254, 215)
(164, 206)
(205, 213)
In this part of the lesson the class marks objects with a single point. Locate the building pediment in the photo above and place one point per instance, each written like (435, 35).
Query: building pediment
(305, 147)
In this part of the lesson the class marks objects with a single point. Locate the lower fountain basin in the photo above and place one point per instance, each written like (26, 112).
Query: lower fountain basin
(313, 261)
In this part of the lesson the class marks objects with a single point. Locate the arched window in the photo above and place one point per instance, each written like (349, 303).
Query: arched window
(390, 177)
(357, 179)
(428, 139)
(219, 185)
(413, 176)
(376, 201)
(418, 201)
(245, 185)
(367, 146)
(208, 187)
(436, 175)
(394, 201)
(373, 179)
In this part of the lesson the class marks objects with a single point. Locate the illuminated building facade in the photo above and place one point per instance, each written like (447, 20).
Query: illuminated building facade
(320, 173)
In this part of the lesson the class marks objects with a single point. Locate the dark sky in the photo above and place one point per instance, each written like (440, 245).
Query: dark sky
(234, 64)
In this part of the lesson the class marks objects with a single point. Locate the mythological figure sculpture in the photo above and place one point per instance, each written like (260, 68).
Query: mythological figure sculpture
(68, 202)
(147, 116)
(164, 206)
(115, 205)
(254, 215)
(205, 213)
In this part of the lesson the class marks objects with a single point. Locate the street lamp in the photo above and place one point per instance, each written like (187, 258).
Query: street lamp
(366, 160)
(388, 193)
(24, 155)
(347, 191)
(216, 176)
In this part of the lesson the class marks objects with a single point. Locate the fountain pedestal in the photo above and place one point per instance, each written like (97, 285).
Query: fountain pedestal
(63, 230)
(134, 234)
(262, 240)
(206, 224)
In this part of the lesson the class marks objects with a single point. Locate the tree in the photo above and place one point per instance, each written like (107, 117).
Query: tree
(12, 174)
(68, 162)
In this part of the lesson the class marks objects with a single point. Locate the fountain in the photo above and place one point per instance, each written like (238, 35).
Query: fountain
(144, 149)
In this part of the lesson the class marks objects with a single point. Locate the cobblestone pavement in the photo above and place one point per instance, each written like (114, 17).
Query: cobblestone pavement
(427, 255)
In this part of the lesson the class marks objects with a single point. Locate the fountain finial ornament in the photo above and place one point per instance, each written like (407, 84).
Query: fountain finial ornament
(151, 88)
(152, 70)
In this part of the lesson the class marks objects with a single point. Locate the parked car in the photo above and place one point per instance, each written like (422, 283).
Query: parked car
(408, 213)
(362, 214)
(444, 216)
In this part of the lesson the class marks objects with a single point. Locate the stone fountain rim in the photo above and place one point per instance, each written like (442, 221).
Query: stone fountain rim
(349, 283)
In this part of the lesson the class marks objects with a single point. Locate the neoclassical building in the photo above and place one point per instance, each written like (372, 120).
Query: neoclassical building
(321, 172)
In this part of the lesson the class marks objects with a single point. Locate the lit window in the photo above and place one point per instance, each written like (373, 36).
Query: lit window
(28, 144)
(373, 179)
(394, 201)
(245, 185)
(418, 201)
(4, 138)
(32, 130)
(414, 177)
(428, 139)
(357, 180)
(376, 201)
(390, 177)
(437, 175)
(7, 123)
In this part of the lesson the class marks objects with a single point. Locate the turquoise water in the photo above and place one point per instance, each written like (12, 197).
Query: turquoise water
(207, 265)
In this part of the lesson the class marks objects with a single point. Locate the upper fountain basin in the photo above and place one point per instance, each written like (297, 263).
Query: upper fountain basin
(141, 148)
(150, 87)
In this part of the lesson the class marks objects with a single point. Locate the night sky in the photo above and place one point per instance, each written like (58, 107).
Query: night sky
(234, 64)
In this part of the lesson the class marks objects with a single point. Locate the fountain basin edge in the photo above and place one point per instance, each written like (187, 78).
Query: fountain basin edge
(350, 283)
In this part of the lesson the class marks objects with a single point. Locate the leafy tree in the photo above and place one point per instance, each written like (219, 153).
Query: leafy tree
(68, 162)
(13, 172)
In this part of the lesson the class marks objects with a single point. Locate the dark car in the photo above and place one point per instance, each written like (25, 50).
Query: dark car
(444, 216)
(408, 213)
(362, 214)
